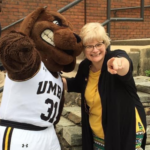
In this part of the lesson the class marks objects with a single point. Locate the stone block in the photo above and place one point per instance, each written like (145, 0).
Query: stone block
(146, 104)
(148, 140)
(63, 123)
(147, 110)
(134, 50)
(147, 147)
(78, 101)
(135, 57)
(59, 130)
(142, 84)
(77, 148)
(74, 114)
(148, 120)
(73, 135)
(143, 87)
(144, 97)
(75, 110)
(75, 117)
(70, 97)
(139, 79)
(64, 145)
(144, 60)
(64, 112)
(148, 129)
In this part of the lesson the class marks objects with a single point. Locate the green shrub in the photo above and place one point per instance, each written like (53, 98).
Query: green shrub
(147, 72)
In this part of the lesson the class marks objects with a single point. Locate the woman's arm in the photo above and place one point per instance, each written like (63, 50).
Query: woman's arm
(74, 84)
(65, 84)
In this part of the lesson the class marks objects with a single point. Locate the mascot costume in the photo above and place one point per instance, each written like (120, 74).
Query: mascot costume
(33, 97)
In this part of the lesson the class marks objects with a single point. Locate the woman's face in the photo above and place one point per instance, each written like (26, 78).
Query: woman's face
(95, 51)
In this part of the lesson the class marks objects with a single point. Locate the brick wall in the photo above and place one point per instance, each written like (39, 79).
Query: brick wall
(0, 5)
(92, 11)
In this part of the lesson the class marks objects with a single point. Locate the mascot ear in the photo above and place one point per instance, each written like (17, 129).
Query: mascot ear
(30, 20)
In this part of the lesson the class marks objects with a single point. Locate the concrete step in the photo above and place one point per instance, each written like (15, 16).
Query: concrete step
(69, 129)
(147, 147)
(144, 98)
(73, 135)
(144, 41)
(128, 48)
(142, 84)
(73, 114)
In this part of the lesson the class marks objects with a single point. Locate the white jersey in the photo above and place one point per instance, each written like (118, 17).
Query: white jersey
(35, 101)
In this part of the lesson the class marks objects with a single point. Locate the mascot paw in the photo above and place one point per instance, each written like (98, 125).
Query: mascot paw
(18, 54)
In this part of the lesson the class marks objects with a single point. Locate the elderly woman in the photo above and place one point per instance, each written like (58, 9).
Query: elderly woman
(113, 117)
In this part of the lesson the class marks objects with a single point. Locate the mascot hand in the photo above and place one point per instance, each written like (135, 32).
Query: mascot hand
(17, 53)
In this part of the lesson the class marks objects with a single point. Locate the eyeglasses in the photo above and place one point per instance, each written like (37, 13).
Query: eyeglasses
(89, 48)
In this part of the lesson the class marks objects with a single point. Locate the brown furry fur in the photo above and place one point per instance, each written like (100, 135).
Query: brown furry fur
(19, 56)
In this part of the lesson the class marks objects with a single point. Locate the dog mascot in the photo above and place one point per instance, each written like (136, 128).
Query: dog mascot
(33, 99)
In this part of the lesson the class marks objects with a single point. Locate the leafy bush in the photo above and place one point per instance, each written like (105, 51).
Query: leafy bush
(147, 72)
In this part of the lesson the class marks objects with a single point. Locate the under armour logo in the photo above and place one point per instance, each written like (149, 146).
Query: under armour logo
(24, 145)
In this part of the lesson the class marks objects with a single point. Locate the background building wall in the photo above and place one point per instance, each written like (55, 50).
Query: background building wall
(0, 5)
(84, 12)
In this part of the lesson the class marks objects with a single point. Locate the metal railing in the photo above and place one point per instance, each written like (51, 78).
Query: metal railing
(109, 19)
(60, 11)
(69, 6)
(107, 22)
(125, 8)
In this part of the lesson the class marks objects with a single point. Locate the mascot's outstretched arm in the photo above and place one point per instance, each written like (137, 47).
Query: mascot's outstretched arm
(19, 56)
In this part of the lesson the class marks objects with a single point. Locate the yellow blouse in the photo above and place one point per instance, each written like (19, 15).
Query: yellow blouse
(94, 102)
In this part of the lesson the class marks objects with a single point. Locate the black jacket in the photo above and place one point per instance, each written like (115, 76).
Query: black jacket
(118, 98)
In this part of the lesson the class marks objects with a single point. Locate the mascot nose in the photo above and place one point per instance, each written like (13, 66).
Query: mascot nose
(77, 37)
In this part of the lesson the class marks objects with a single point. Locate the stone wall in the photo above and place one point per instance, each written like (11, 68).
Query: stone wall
(141, 59)
(69, 127)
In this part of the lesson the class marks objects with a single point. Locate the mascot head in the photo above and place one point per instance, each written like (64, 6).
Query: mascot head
(52, 34)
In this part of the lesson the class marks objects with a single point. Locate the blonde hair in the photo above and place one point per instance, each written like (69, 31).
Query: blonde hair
(94, 31)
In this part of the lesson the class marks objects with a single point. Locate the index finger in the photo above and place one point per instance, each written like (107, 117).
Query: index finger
(110, 61)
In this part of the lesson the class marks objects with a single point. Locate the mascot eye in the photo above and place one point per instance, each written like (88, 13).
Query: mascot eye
(56, 22)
